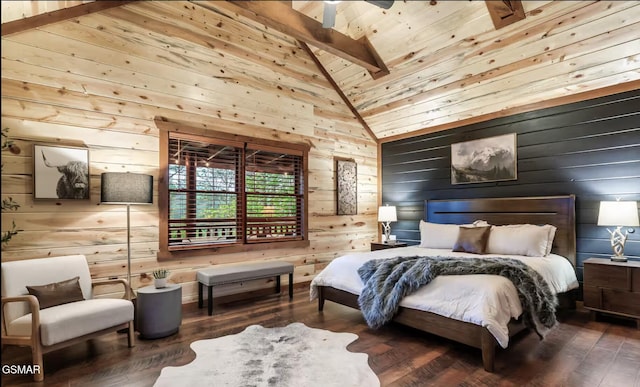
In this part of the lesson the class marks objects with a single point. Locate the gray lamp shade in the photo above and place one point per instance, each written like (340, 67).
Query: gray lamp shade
(126, 188)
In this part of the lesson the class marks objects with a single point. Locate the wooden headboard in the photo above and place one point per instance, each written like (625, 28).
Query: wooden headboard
(556, 210)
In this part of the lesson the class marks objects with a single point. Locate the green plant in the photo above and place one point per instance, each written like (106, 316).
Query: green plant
(6, 143)
(160, 273)
(9, 204)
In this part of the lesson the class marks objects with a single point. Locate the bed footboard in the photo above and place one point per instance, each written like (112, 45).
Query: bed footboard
(336, 295)
(459, 331)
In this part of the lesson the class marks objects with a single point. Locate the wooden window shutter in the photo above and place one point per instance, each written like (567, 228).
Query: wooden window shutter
(274, 194)
(205, 192)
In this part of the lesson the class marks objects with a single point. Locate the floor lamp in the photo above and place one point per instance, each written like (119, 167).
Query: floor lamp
(126, 188)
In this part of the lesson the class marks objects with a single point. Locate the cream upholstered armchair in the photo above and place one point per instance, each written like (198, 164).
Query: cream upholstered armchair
(64, 312)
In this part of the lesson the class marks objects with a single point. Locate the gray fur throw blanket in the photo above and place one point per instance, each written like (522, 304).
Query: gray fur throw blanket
(387, 281)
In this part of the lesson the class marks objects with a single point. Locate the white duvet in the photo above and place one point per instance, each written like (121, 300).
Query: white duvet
(482, 299)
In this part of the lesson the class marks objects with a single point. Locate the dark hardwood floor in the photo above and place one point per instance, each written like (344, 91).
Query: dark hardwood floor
(578, 352)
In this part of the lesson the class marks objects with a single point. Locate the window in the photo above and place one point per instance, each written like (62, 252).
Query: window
(226, 192)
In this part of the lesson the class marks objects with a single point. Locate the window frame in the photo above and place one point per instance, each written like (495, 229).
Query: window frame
(165, 251)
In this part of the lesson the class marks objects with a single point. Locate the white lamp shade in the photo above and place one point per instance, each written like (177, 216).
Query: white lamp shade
(618, 213)
(387, 214)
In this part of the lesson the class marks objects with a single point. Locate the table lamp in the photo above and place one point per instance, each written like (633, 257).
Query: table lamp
(386, 215)
(618, 214)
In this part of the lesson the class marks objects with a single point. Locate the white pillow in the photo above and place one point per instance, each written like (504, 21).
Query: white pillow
(552, 235)
(521, 239)
(442, 236)
(438, 236)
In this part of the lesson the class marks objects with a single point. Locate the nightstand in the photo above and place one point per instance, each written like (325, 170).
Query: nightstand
(612, 287)
(381, 246)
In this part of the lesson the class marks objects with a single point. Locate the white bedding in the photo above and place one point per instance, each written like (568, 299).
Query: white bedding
(482, 299)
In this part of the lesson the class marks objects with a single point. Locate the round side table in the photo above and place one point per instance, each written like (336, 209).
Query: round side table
(159, 311)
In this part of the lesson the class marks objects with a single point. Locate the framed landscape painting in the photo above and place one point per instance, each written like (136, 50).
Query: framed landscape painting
(60, 172)
(484, 160)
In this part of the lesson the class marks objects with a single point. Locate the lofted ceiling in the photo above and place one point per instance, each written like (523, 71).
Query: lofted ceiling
(447, 61)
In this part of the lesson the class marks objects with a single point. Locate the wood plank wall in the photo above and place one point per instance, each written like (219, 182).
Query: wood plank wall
(449, 63)
(590, 149)
(82, 83)
(14, 10)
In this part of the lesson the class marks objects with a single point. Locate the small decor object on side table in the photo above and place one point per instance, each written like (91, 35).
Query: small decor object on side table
(160, 278)
(381, 246)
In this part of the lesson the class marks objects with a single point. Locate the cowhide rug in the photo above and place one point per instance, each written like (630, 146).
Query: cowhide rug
(295, 356)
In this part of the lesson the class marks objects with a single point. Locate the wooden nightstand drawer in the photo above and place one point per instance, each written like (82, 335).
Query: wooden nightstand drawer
(621, 302)
(592, 297)
(612, 277)
(612, 287)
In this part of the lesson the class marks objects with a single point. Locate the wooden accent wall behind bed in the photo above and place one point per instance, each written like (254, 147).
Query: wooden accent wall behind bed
(556, 210)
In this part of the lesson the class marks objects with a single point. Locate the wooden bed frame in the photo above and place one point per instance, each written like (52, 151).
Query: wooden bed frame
(556, 210)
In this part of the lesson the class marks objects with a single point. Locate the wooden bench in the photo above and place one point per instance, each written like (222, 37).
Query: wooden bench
(221, 275)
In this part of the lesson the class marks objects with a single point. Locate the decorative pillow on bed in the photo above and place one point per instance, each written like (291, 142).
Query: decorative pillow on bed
(57, 293)
(438, 236)
(472, 239)
(521, 239)
(442, 236)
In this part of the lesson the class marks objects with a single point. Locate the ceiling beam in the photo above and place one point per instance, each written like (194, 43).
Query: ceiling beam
(59, 15)
(505, 12)
(339, 91)
(281, 17)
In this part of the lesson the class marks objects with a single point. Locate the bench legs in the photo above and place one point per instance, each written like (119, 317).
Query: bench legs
(210, 293)
(209, 298)
(291, 287)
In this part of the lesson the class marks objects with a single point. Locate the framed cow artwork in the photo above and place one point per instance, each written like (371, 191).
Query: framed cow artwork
(60, 172)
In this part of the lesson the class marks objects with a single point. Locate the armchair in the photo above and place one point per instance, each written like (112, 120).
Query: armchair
(55, 327)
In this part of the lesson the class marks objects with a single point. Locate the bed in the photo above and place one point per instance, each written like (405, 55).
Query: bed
(336, 282)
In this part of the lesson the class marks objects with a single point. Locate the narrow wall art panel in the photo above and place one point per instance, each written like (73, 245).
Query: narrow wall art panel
(484, 160)
(346, 187)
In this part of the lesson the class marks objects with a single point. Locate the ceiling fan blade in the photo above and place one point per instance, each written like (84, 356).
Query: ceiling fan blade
(381, 3)
(329, 15)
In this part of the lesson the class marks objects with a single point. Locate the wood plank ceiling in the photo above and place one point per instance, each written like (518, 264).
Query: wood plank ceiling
(447, 62)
